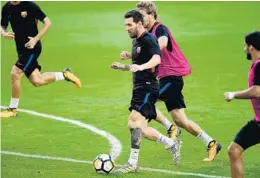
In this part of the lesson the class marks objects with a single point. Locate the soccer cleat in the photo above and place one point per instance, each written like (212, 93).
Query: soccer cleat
(176, 151)
(173, 132)
(9, 112)
(69, 76)
(127, 168)
(213, 149)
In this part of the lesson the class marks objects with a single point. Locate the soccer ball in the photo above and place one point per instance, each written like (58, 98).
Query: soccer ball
(103, 164)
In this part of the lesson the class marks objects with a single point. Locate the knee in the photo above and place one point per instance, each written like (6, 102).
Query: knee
(133, 122)
(234, 152)
(15, 75)
(130, 124)
(37, 83)
(180, 121)
(178, 118)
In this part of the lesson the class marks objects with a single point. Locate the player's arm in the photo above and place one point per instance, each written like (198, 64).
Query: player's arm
(250, 93)
(119, 66)
(125, 55)
(6, 34)
(40, 15)
(162, 36)
(46, 26)
(154, 51)
(163, 41)
(153, 62)
(4, 25)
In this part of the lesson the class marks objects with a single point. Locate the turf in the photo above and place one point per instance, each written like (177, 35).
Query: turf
(88, 37)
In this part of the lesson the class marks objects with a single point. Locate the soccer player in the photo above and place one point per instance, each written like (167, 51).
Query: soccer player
(249, 135)
(173, 67)
(23, 17)
(145, 60)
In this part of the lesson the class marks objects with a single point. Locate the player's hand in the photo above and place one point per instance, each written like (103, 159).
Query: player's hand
(124, 55)
(31, 43)
(9, 35)
(116, 65)
(229, 96)
(135, 68)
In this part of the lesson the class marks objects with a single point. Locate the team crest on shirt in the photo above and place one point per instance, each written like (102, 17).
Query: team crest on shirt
(138, 49)
(24, 14)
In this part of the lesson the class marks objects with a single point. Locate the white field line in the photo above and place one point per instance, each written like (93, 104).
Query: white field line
(115, 147)
(115, 144)
(90, 162)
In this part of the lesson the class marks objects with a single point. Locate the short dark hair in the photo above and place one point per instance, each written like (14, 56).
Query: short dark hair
(136, 15)
(253, 39)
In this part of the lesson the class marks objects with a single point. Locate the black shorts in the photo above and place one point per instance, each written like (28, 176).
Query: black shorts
(171, 92)
(143, 101)
(27, 61)
(249, 135)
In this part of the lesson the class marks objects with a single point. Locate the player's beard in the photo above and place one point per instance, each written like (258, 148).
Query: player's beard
(134, 33)
(249, 56)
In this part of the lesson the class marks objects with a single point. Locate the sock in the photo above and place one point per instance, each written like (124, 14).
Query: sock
(133, 158)
(166, 123)
(14, 103)
(59, 76)
(165, 140)
(205, 138)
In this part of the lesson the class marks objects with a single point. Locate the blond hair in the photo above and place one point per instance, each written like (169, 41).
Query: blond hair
(148, 6)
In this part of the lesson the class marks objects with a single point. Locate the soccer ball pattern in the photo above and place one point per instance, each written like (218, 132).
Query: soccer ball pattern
(103, 164)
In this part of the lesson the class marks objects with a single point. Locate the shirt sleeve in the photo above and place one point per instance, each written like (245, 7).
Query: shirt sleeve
(39, 14)
(152, 46)
(161, 31)
(257, 75)
(4, 17)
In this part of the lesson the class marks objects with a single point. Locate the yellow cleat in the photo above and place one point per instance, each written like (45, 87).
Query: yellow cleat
(127, 168)
(213, 149)
(173, 133)
(69, 76)
(8, 113)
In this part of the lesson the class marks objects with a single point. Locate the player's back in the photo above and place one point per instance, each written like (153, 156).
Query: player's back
(173, 60)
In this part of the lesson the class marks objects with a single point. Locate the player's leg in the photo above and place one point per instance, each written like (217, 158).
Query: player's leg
(173, 145)
(134, 125)
(182, 121)
(171, 94)
(16, 75)
(148, 112)
(235, 152)
(248, 136)
(172, 130)
(38, 79)
(32, 71)
(163, 120)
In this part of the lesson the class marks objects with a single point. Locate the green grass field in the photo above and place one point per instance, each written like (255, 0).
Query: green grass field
(88, 37)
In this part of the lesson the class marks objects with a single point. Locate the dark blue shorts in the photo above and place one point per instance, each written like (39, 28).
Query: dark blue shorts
(171, 92)
(249, 135)
(27, 60)
(143, 101)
